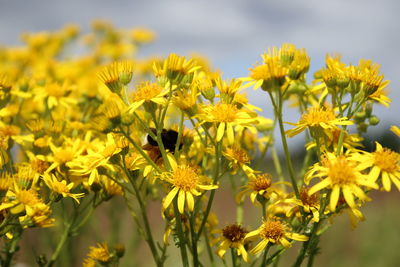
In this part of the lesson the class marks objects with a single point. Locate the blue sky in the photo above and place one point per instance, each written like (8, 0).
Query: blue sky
(232, 34)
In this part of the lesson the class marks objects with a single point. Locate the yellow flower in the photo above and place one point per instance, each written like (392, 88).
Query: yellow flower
(258, 186)
(340, 174)
(18, 200)
(147, 93)
(100, 253)
(186, 183)
(275, 232)
(61, 187)
(384, 164)
(317, 118)
(54, 95)
(99, 158)
(175, 67)
(309, 203)
(233, 237)
(239, 159)
(142, 35)
(116, 74)
(226, 116)
(395, 130)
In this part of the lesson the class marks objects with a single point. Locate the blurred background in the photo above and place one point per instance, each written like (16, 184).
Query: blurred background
(232, 35)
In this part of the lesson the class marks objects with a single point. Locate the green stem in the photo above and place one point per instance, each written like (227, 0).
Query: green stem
(215, 180)
(147, 228)
(61, 243)
(182, 240)
(264, 260)
(194, 241)
(233, 254)
(278, 110)
(13, 247)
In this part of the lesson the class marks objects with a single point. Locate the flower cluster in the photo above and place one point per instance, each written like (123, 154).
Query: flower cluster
(76, 132)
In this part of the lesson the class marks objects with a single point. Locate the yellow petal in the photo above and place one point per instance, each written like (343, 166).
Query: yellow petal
(260, 246)
(321, 185)
(220, 131)
(230, 134)
(334, 197)
(190, 201)
(181, 201)
(386, 181)
(168, 199)
(348, 196)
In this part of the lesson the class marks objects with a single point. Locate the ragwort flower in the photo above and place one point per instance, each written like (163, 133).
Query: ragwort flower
(233, 237)
(186, 182)
(340, 174)
(273, 231)
(384, 164)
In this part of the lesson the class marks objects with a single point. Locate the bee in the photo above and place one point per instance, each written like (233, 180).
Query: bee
(169, 139)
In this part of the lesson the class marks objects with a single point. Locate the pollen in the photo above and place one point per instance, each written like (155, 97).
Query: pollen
(272, 229)
(318, 115)
(185, 178)
(224, 112)
(386, 159)
(340, 171)
(234, 232)
(261, 182)
(146, 91)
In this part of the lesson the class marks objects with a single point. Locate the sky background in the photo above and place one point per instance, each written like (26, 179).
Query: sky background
(233, 34)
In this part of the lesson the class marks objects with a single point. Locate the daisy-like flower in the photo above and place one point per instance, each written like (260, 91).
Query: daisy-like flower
(147, 93)
(61, 187)
(99, 158)
(341, 174)
(186, 182)
(18, 199)
(239, 159)
(310, 204)
(259, 186)
(116, 74)
(54, 95)
(233, 237)
(384, 164)
(100, 253)
(226, 116)
(273, 231)
(63, 156)
(175, 67)
(317, 118)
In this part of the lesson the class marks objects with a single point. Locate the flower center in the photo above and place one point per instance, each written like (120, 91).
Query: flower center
(185, 178)
(60, 187)
(27, 197)
(310, 200)
(234, 232)
(261, 182)
(317, 115)
(340, 171)
(237, 154)
(224, 112)
(260, 72)
(146, 91)
(272, 230)
(387, 160)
